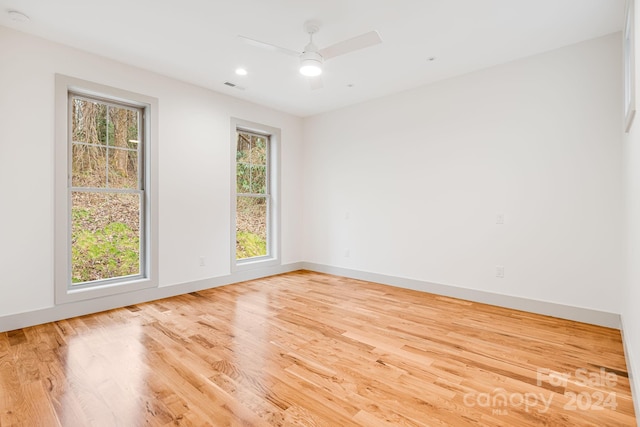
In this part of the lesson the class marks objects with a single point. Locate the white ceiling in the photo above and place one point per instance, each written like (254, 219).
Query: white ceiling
(196, 40)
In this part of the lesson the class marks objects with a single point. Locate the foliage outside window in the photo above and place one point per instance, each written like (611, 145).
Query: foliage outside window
(252, 195)
(107, 190)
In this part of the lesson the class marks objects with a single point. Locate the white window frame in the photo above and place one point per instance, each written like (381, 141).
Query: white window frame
(629, 65)
(65, 292)
(273, 215)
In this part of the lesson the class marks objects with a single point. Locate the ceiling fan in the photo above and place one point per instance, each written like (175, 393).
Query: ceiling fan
(312, 58)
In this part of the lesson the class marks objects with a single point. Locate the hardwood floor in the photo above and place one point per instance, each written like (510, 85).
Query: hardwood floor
(311, 349)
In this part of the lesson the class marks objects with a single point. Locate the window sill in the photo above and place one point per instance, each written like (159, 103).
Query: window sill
(258, 262)
(82, 294)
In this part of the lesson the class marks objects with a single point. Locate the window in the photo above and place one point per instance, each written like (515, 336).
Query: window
(105, 191)
(629, 66)
(255, 201)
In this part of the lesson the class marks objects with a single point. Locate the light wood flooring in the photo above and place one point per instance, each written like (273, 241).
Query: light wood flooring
(310, 349)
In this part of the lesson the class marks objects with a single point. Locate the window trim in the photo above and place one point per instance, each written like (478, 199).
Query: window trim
(65, 292)
(273, 213)
(629, 65)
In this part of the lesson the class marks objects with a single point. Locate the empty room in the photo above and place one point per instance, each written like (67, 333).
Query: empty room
(319, 213)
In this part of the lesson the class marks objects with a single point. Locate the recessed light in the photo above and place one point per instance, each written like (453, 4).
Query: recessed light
(241, 71)
(17, 16)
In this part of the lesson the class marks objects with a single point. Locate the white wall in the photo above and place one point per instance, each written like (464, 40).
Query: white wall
(411, 184)
(631, 288)
(194, 169)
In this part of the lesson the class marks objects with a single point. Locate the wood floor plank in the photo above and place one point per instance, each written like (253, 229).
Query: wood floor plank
(310, 349)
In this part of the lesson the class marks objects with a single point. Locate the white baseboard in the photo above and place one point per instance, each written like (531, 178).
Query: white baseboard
(631, 371)
(579, 314)
(66, 311)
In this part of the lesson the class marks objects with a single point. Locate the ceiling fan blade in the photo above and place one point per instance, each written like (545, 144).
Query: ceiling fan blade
(268, 46)
(316, 83)
(359, 42)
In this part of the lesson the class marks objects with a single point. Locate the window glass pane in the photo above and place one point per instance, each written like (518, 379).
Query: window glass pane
(259, 150)
(88, 122)
(244, 147)
(123, 122)
(243, 178)
(123, 168)
(89, 166)
(133, 134)
(258, 179)
(251, 227)
(105, 235)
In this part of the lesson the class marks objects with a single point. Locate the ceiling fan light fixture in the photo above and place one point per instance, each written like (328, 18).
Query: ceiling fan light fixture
(310, 64)
(310, 68)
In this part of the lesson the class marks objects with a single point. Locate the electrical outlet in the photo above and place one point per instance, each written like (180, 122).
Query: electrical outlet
(499, 218)
(499, 271)
(346, 253)
(201, 261)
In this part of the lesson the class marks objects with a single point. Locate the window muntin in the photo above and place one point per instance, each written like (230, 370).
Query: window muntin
(106, 191)
(253, 196)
